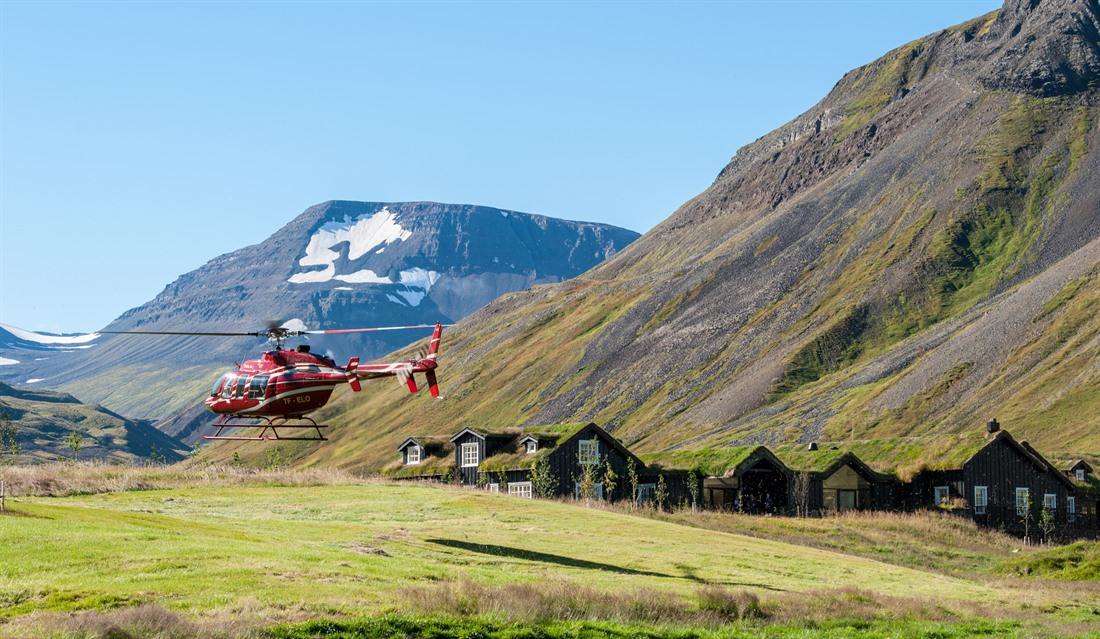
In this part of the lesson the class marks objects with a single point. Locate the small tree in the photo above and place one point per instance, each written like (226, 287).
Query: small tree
(1047, 523)
(610, 477)
(589, 472)
(660, 493)
(542, 479)
(692, 480)
(1023, 512)
(155, 458)
(76, 442)
(482, 478)
(801, 490)
(632, 480)
(586, 482)
(502, 479)
(9, 432)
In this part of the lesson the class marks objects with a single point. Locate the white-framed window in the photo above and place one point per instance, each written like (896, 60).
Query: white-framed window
(469, 455)
(1023, 501)
(1080, 474)
(940, 494)
(520, 489)
(531, 446)
(597, 491)
(981, 499)
(1050, 502)
(493, 488)
(647, 493)
(1071, 508)
(588, 451)
(414, 455)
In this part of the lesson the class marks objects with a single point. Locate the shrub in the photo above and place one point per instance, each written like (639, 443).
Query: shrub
(731, 605)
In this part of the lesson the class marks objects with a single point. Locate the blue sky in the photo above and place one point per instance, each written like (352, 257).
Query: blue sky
(139, 140)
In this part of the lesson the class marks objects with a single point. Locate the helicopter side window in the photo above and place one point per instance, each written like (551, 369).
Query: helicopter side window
(227, 387)
(242, 382)
(257, 388)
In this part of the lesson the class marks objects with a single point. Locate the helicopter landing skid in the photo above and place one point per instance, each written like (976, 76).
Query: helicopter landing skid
(269, 429)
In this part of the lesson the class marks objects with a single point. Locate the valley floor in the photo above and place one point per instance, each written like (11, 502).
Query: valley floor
(235, 553)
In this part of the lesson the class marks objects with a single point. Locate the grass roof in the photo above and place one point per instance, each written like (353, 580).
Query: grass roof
(550, 438)
(799, 459)
(717, 461)
(438, 457)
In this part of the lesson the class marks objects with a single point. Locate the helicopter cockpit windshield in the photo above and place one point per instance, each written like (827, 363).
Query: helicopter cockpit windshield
(216, 390)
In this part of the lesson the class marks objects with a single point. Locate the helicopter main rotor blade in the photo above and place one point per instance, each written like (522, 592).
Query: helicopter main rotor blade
(333, 331)
(252, 334)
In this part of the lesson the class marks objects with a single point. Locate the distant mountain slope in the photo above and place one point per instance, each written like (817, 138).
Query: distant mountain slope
(45, 422)
(337, 265)
(915, 254)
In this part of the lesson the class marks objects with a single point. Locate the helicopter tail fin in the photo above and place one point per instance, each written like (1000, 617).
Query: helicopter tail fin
(349, 372)
(433, 347)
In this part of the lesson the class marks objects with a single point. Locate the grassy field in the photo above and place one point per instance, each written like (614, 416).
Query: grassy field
(224, 552)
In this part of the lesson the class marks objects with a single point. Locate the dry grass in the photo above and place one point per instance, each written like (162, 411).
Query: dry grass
(64, 479)
(712, 606)
(543, 602)
(141, 622)
(925, 540)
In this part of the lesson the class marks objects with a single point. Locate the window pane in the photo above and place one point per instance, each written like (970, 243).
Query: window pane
(588, 451)
(469, 455)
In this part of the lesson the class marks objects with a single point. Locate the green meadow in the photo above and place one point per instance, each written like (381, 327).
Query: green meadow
(287, 555)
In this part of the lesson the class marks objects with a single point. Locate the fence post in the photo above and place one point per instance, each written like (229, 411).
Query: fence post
(3, 494)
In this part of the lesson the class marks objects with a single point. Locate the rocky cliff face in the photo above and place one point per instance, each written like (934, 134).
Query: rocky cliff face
(1044, 47)
(337, 265)
(915, 254)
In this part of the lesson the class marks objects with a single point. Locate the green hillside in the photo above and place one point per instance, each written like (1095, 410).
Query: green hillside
(214, 544)
(41, 425)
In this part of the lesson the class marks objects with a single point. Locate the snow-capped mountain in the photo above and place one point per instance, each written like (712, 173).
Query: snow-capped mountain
(337, 265)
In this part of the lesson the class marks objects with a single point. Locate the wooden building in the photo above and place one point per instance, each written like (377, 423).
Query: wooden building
(1004, 483)
(423, 457)
(1083, 507)
(753, 480)
(472, 448)
(575, 458)
(988, 476)
(827, 479)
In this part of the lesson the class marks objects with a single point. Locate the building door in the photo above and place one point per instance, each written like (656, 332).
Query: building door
(846, 500)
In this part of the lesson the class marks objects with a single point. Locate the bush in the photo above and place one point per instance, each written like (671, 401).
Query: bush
(731, 605)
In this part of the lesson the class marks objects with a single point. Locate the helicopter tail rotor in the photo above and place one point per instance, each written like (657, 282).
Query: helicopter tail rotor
(405, 376)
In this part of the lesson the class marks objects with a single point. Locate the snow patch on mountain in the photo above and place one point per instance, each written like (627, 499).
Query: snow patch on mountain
(419, 278)
(39, 338)
(363, 235)
(4, 361)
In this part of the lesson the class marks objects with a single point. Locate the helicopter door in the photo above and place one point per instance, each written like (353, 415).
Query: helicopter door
(257, 388)
(242, 382)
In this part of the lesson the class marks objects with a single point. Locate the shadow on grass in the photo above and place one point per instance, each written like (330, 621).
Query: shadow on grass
(534, 555)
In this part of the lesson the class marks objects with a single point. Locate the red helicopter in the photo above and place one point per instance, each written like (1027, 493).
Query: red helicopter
(280, 388)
